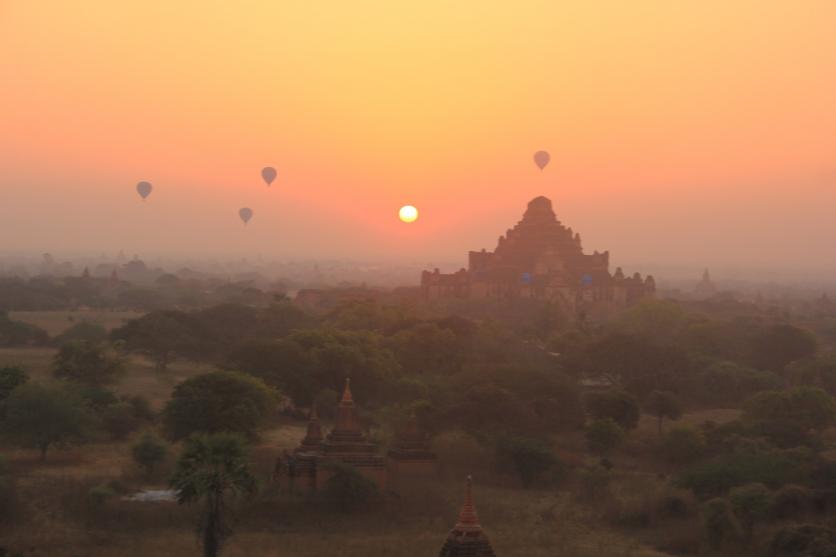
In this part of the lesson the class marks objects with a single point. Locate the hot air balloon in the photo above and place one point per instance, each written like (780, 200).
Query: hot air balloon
(268, 173)
(246, 214)
(541, 159)
(144, 189)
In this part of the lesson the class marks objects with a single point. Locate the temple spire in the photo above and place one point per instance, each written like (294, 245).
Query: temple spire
(468, 520)
(467, 539)
(347, 397)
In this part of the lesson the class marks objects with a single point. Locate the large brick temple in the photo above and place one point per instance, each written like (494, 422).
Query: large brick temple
(540, 258)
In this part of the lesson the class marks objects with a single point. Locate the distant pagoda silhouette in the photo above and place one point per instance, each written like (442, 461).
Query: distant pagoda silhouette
(541, 259)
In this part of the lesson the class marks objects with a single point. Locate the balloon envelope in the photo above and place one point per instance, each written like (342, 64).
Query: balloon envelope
(144, 189)
(268, 173)
(541, 159)
(246, 214)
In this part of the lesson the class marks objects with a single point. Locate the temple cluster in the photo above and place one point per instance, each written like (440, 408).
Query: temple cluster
(409, 457)
(542, 259)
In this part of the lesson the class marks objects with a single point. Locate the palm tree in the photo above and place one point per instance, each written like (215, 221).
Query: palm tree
(210, 468)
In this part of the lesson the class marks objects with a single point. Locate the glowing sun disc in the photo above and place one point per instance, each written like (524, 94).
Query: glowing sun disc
(408, 213)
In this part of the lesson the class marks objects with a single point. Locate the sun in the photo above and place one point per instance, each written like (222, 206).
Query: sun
(408, 213)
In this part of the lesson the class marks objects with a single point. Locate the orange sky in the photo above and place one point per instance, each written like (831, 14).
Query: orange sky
(692, 132)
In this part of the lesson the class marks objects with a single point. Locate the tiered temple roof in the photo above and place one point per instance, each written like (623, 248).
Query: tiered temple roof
(467, 539)
(347, 443)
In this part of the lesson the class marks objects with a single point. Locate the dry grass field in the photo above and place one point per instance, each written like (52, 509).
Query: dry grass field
(55, 514)
(56, 322)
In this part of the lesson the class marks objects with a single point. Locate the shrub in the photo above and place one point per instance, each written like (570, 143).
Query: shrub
(149, 451)
(675, 503)
(531, 459)
(682, 445)
(100, 494)
(807, 540)
(595, 483)
(720, 524)
(791, 501)
(119, 420)
(603, 437)
(717, 476)
(786, 416)
(750, 504)
(347, 489)
(619, 406)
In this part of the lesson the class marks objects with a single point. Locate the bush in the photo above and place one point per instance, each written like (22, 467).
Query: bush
(149, 451)
(720, 523)
(530, 459)
(717, 476)
(347, 489)
(804, 540)
(9, 502)
(675, 503)
(750, 504)
(10, 379)
(595, 483)
(785, 417)
(682, 444)
(119, 420)
(100, 494)
(619, 406)
(603, 437)
(791, 501)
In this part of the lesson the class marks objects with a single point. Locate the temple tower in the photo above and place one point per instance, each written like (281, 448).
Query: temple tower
(347, 443)
(467, 539)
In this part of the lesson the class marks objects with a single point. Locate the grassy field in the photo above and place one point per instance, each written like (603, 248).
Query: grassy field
(60, 520)
(57, 516)
(56, 322)
(140, 377)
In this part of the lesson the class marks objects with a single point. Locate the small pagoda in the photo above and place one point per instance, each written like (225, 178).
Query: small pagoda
(345, 444)
(467, 539)
(410, 456)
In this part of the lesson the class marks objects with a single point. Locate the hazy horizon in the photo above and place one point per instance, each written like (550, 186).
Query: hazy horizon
(682, 136)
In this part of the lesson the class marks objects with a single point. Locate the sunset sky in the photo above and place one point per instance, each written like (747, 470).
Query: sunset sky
(692, 132)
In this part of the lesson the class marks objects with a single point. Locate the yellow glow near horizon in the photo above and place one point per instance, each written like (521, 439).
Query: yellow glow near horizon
(678, 131)
(408, 213)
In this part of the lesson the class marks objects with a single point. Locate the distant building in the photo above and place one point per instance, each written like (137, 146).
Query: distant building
(705, 287)
(541, 259)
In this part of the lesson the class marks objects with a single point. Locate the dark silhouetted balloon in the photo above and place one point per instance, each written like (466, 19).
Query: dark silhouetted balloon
(541, 159)
(246, 214)
(268, 173)
(144, 189)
